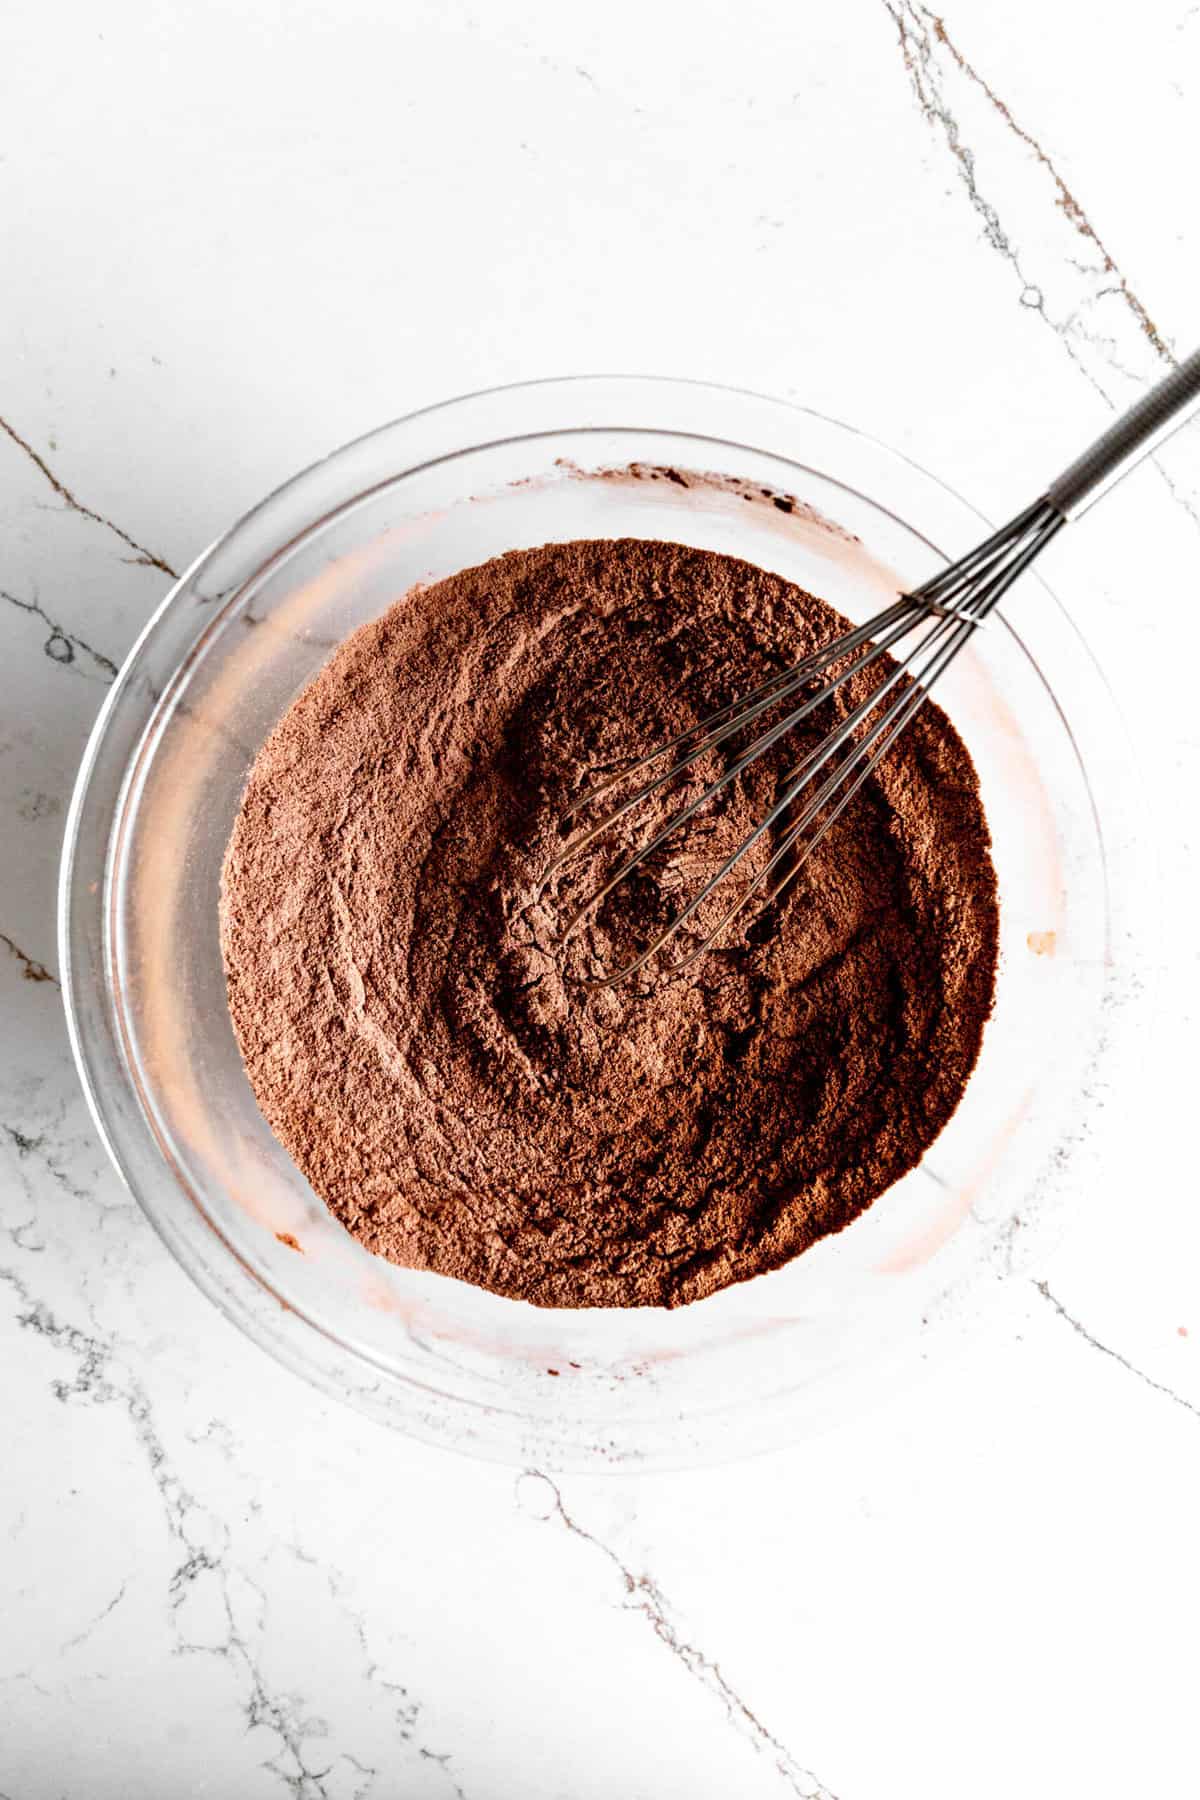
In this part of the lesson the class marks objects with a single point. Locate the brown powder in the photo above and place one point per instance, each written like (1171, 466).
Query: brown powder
(431, 1060)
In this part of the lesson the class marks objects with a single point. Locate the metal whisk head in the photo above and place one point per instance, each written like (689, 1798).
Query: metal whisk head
(942, 615)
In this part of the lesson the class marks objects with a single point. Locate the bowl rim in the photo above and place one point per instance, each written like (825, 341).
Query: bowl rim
(76, 895)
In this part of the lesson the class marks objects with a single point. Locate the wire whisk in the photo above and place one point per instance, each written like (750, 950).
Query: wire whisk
(942, 615)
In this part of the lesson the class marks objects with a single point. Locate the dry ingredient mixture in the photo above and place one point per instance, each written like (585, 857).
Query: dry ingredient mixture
(431, 1057)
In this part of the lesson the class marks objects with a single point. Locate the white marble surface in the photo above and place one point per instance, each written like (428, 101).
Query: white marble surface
(235, 236)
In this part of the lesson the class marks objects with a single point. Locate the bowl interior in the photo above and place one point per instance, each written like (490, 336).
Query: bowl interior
(245, 631)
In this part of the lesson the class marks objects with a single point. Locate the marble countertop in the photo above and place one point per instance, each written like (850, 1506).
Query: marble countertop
(235, 237)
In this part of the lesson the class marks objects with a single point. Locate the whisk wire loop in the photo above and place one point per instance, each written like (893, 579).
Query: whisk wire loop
(793, 785)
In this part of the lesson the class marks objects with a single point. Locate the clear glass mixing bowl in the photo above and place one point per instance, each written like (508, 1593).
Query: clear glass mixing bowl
(255, 618)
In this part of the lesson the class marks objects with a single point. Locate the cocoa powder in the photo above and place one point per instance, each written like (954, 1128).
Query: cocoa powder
(432, 1058)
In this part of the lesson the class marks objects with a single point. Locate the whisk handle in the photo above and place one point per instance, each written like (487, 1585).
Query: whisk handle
(1136, 433)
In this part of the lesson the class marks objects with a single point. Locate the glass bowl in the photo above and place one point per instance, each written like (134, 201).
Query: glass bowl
(249, 625)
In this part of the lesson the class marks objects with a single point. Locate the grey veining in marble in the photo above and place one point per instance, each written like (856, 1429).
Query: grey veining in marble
(232, 243)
